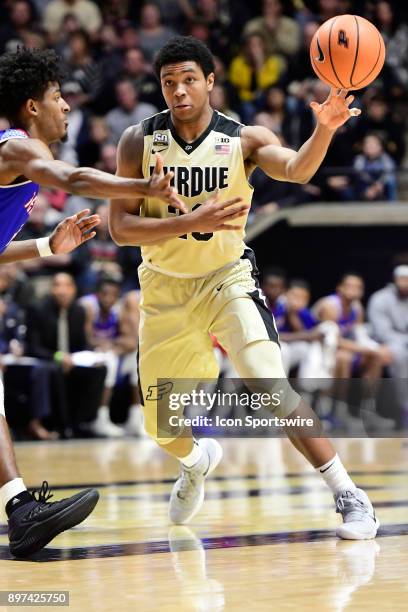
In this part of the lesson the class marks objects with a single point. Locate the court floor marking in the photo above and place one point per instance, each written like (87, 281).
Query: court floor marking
(152, 481)
(217, 542)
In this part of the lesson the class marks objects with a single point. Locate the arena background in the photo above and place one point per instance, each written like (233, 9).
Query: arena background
(351, 216)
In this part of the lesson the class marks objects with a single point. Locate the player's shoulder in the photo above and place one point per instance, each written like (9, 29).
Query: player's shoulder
(158, 121)
(227, 125)
(258, 135)
(16, 144)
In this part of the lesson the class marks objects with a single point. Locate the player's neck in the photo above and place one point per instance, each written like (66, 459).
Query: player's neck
(189, 131)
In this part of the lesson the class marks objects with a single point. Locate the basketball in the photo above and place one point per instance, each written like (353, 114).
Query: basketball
(347, 52)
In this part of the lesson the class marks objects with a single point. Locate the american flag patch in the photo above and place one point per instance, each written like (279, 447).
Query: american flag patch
(222, 149)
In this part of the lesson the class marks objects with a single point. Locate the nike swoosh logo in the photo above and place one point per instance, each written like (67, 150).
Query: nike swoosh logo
(321, 54)
(220, 287)
(325, 469)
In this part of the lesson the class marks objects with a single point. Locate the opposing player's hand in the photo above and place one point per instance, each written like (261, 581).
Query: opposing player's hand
(214, 215)
(159, 186)
(335, 110)
(73, 231)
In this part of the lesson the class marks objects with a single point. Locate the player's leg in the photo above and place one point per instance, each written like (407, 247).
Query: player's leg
(246, 329)
(175, 353)
(30, 531)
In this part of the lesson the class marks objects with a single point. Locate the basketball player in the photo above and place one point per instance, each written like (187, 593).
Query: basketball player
(30, 99)
(197, 275)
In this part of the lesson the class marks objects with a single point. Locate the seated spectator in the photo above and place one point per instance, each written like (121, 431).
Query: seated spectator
(24, 377)
(379, 120)
(219, 101)
(83, 68)
(152, 33)
(214, 17)
(78, 133)
(281, 33)
(375, 170)
(388, 315)
(89, 150)
(276, 116)
(86, 12)
(114, 334)
(356, 349)
(300, 66)
(57, 334)
(274, 283)
(129, 111)
(252, 71)
(146, 84)
(21, 29)
(394, 30)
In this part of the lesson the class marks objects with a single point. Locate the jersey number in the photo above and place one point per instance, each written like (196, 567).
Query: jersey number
(196, 235)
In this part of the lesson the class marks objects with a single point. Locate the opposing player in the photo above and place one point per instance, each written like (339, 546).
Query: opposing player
(198, 276)
(30, 99)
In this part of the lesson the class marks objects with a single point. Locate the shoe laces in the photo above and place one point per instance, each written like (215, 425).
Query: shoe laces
(41, 496)
(348, 504)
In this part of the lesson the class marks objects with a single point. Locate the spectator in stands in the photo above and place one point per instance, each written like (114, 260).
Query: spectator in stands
(102, 251)
(114, 338)
(281, 33)
(83, 68)
(300, 66)
(214, 17)
(152, 33)
(375, 171)
(388, 315)
(274, 283)
(147, 86)
(86, 12)
(129, 110)
(89, 150)
(78, 133)
(252, 71)
(356, 349)
(378, 119)
(219, 101)
(275, 114)
(395, 34)
(21, 29)
(57, 333)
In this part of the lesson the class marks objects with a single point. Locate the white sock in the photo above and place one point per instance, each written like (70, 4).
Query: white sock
(193, 457)
(335, 476)
(11, 489)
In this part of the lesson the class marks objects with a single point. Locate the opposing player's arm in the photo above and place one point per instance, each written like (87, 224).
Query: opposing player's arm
(262, 148)
(126, 225)
(33, 159)
(67, 236)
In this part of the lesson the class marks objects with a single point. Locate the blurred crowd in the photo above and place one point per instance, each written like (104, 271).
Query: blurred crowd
(69, 361)
(263, 76)
(70, 322)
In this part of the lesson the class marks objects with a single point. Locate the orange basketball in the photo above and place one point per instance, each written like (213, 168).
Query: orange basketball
(347, 52)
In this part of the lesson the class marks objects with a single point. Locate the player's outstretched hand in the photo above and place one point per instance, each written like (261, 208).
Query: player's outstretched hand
(73, 231)
(335, 110)
(214, 215)
(159, 186)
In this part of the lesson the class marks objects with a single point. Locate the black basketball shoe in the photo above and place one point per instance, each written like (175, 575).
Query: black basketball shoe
(35, 523)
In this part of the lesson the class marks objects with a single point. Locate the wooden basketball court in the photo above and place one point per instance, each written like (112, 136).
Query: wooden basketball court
(264, 539)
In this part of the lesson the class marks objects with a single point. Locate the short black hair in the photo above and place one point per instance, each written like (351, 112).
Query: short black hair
(348, 273)
(184, 49)
(107, 280)
(274, 271)
(26, 73)
(299, 283)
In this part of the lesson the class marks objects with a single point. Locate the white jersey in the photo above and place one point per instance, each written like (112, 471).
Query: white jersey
(213, 161)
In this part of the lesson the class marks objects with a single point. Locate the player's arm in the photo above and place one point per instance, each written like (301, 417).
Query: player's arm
(67, 236)
(33, 159)
(262, 148)
(126, 225)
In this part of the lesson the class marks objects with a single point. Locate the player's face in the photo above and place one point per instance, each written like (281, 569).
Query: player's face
(185, 89)
(298, 297)
(352, 288)
(52, 113)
